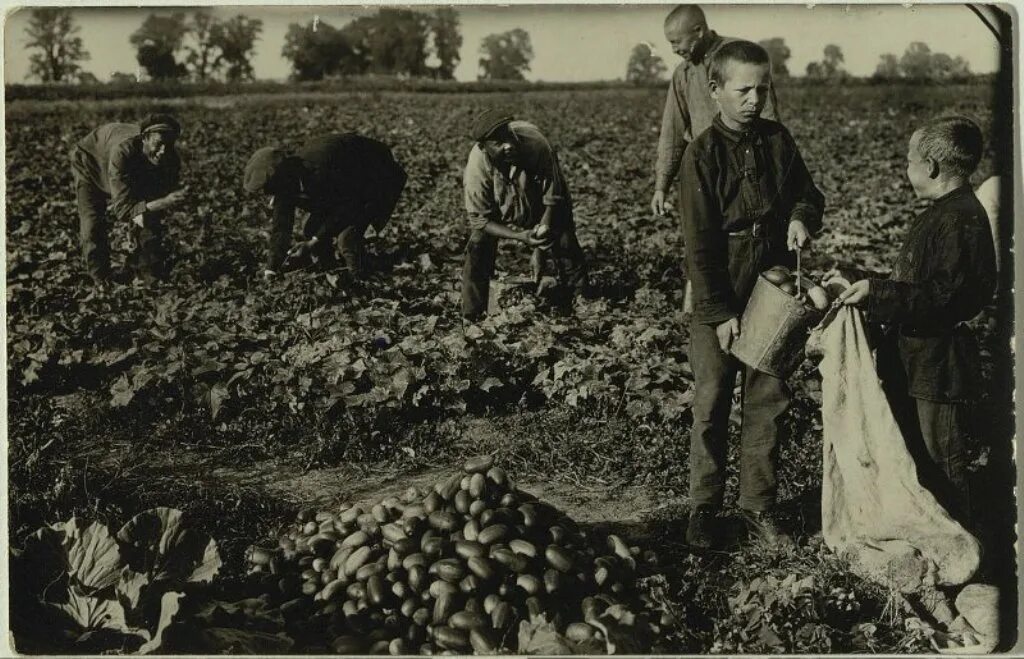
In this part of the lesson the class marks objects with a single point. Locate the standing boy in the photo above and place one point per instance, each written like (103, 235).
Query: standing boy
(514, 190)
(746, 197)
(345, 182)
(136, 170)
(945, 275)
(689, 108)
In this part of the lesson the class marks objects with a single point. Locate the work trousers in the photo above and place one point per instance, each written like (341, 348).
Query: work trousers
(147, 249)
(765, 399)
(482, 252)
(350, 239)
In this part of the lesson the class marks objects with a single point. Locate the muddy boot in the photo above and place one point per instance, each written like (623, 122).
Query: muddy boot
(763, 526)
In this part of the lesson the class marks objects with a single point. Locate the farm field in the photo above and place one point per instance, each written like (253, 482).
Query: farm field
(243, 402)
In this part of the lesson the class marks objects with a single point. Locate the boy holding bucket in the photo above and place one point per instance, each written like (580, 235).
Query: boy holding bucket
(747, 198)
(945, 275)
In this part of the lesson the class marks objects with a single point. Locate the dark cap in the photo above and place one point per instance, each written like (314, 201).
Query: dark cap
(160, 123)
(261, 168)
(487, 122)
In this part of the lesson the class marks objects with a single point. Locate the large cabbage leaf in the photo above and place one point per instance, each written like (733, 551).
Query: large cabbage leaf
(158, 544)
(169, 605)
(94, 560)
(90, 613)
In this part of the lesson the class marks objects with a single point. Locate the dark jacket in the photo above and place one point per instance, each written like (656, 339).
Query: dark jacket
(740, 191)
(945, 274)
(111, 159)
(341, 179)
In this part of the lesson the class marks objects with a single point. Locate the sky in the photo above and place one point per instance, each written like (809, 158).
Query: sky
(573, 42)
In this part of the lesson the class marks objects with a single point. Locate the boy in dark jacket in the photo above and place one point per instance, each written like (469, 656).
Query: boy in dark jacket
(747, 197)
(944, 275)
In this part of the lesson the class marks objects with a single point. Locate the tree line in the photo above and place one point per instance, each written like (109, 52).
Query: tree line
(394, 41)
(201, 47)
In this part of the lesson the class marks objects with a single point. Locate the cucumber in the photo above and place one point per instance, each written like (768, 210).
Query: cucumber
(479, 464)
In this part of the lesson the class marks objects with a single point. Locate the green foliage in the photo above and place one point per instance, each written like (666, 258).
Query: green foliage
(75, 590)
(157, 43)
(778, 53)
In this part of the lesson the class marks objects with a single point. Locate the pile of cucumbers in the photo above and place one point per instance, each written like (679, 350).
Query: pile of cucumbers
(451, 569)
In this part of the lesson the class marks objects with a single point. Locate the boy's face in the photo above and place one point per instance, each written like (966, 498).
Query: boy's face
(156, 144)
(685, 37)
(919, 168)
(501, 148)
(743, 93)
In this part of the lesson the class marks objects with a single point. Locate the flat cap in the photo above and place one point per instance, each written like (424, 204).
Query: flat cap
(160, 123)
(487, 122)
(261, 168)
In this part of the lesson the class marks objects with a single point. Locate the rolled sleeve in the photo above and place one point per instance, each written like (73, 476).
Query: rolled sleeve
(478, 191)
(706, 245)
(124, 201)
(672, 140)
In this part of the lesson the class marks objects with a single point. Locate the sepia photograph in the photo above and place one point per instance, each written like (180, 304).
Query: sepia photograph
(521, 329)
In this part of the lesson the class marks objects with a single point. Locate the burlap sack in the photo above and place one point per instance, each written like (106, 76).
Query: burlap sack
(873, 508)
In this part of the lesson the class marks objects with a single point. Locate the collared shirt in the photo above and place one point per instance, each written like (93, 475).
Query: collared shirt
(341, 179)
(514, 195)
(111, 158)
(740, 191)
(689, 111)
(944, 275)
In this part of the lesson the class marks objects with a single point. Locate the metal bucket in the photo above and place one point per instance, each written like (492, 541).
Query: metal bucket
(773, 330)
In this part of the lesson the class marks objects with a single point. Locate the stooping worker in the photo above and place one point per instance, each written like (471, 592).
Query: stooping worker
(944, 275)
(748, 201)
(514, 190)
(345, 181)
(136, 169)
(689, 108)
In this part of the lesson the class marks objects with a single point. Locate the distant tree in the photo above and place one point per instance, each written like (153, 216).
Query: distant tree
(236, 40)
(644, 66)
(830, 68)
(833, 62)
(87, 78)
(888, 67)
(157, 43)
(120, 78)
(399, 45)
(916, 62)
(946, 68)
(447, 40)
(779, 54)
(53, 31)
(201, 45)
(316, 50)
(506, 55)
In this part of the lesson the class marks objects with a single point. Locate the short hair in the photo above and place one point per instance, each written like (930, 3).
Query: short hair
(954, 142)
(690, 12)
(745, 52)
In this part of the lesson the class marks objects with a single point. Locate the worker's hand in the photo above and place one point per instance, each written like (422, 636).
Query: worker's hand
(856, 294)
(658, 203)
(302, 248)
(530, 240)
(797, 236)
(168, 202)
(728, 332)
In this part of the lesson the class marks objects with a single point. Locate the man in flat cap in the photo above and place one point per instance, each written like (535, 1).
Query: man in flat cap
(136, 169)
(345, 182)
(514, 189)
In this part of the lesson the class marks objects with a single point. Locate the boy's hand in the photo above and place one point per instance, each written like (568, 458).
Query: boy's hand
(658, 203)
(531, 240)
(856, 294)
(728, 332)
(797, 236)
